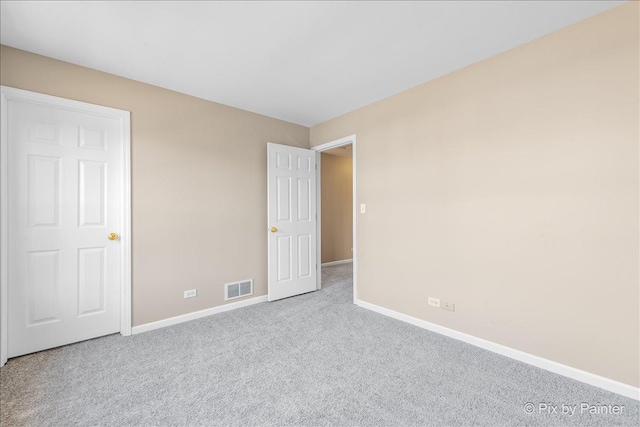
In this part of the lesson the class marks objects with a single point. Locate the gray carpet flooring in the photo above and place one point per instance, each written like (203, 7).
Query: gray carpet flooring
(315, 359)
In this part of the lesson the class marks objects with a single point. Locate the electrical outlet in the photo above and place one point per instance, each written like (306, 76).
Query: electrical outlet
(449, 306)
(434, 302)
(363, 208)
(190, 294)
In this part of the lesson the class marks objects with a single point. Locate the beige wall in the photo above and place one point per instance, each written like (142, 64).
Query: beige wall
(198, 182)
(511, 188)
(337, 207)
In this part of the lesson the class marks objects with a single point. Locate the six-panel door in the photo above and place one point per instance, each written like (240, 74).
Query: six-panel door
(291, 221)
(64, 200)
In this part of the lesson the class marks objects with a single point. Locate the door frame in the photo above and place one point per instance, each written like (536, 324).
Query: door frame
(124, 117)
(351, 139)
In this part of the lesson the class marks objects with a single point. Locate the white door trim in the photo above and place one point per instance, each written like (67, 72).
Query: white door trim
(351, 139)
(7, 93)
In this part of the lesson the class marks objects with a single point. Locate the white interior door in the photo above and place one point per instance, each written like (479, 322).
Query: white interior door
(64, 199)
(292, 220)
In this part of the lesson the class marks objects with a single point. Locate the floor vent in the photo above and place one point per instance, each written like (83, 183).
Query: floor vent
(238, 289)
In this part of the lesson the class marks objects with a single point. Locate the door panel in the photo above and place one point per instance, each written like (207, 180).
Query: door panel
(42, 286)
(92, 201)
(292, 221)
(44, 191)
(64, 198)
(91, 280)
(304, 255)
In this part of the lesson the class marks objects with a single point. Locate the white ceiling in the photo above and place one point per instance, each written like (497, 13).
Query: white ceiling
(304, 62)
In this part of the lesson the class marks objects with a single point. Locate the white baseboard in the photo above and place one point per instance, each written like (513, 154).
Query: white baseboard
(196, 315)
(549, 365)
(342, 261)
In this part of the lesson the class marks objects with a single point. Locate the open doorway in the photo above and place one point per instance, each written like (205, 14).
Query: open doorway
(336, 211)
(337, 206)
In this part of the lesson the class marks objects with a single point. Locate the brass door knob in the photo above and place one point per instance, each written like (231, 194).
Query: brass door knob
(112, 236)
(273, 229)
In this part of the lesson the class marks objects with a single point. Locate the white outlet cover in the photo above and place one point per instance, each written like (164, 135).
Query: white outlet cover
(363, 208)
(434, 302)
(191, 293)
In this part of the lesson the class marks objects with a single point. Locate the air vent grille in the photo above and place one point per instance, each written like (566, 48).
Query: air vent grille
(238, 289)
